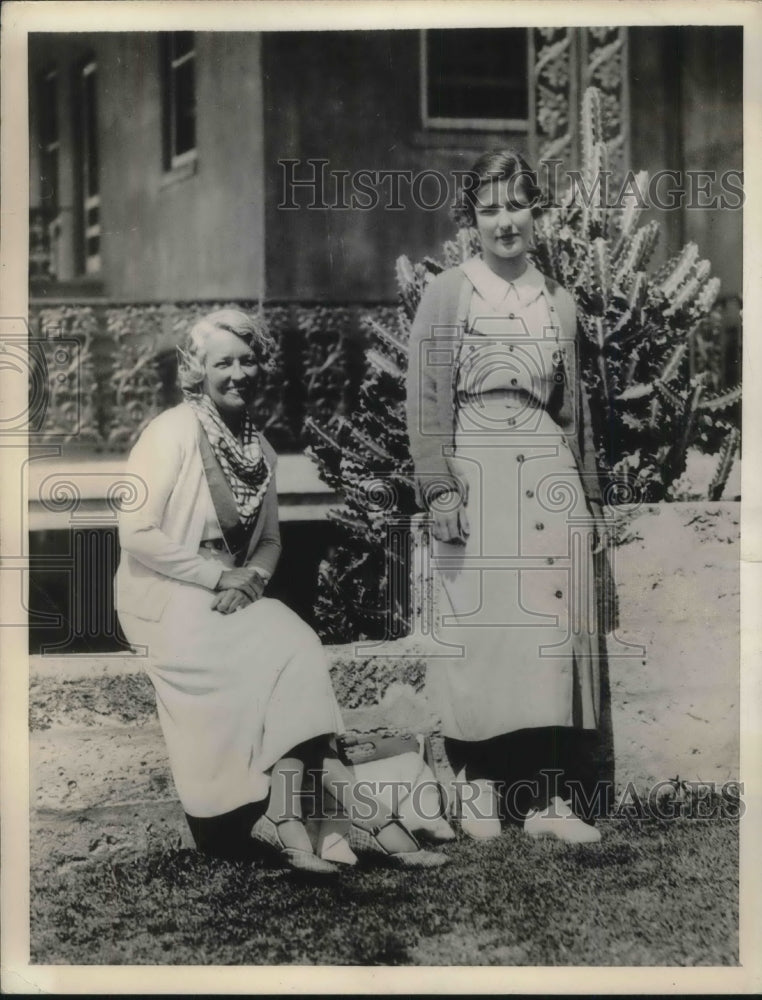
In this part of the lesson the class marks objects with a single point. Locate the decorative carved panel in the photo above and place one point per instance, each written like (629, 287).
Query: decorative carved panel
(325, 330)
(564, 62)
(554, 93)
(65, 339)
(133, 396)
(603, 64)
(274, 407)
(120, 367)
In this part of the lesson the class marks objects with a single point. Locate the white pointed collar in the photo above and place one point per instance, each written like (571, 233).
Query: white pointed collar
(493, 289)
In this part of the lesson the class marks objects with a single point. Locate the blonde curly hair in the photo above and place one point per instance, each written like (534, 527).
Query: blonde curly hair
(192, 357)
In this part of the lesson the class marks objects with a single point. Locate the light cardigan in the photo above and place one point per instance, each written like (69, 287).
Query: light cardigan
(435, 338)
(161, 537)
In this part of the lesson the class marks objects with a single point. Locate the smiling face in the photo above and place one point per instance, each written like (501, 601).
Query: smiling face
(504, 222)
(230, 368)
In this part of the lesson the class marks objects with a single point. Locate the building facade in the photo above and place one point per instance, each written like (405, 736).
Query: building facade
(179, 166)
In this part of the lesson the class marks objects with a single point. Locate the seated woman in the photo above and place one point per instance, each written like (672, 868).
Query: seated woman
(242, 686)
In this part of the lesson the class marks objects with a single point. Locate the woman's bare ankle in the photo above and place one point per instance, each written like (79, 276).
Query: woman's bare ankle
(292, 832)
(392, 835)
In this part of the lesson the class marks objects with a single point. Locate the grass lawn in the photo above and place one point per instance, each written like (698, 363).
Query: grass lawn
(652, 893)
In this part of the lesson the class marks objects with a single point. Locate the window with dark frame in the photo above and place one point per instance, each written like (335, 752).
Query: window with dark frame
(178, 71)
(475, 78)
(50, 144)
(89, 179)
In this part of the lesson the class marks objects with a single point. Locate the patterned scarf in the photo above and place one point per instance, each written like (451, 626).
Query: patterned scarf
(245, 467)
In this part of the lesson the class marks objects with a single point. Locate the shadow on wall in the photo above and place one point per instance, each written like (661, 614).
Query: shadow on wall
(71, 605)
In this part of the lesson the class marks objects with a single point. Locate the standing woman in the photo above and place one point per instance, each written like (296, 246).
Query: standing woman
(242, 685)
(501, 442)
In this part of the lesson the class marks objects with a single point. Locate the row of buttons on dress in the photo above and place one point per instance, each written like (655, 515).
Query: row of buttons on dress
(530, 493)
(557, 357)
(511, 348)
(539, 526)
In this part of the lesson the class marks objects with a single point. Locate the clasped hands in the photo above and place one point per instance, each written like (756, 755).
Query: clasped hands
(237, 588)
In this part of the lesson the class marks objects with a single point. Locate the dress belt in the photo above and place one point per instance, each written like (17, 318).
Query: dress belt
(218, 544)
(520, 396)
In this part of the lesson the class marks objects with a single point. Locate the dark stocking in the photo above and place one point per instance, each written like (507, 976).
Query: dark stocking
(532, 765)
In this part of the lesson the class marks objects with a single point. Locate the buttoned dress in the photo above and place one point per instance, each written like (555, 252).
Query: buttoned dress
(517, 602)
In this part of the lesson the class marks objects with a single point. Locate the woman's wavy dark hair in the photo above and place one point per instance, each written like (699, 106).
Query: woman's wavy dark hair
(496, 165)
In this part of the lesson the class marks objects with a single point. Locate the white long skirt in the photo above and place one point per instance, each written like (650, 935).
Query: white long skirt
(234, 692)
(518, 600)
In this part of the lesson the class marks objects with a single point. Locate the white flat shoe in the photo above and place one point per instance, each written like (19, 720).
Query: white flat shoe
(479, 817)
(558, 821)
(438, 833)
(335, 848)
(332, 844)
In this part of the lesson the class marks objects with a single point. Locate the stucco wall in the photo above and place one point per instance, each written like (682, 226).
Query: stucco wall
(352, 98)
(686, 87)
(165, 237)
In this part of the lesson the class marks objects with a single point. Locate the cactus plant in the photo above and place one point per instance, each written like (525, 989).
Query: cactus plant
(635, 327)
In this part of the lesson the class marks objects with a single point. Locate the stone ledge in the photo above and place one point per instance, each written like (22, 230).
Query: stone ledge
(116, 690)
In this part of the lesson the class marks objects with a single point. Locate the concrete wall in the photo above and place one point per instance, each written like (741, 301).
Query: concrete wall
(352, 98)
(686, 89)
(713, 140)
(171, 235)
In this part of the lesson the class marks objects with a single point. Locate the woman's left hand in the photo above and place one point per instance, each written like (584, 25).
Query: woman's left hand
(602, 538)
(228, 601)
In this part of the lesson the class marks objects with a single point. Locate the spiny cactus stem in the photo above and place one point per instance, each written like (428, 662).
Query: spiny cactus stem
(605, 391)
(727, 457)
(689, 418)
